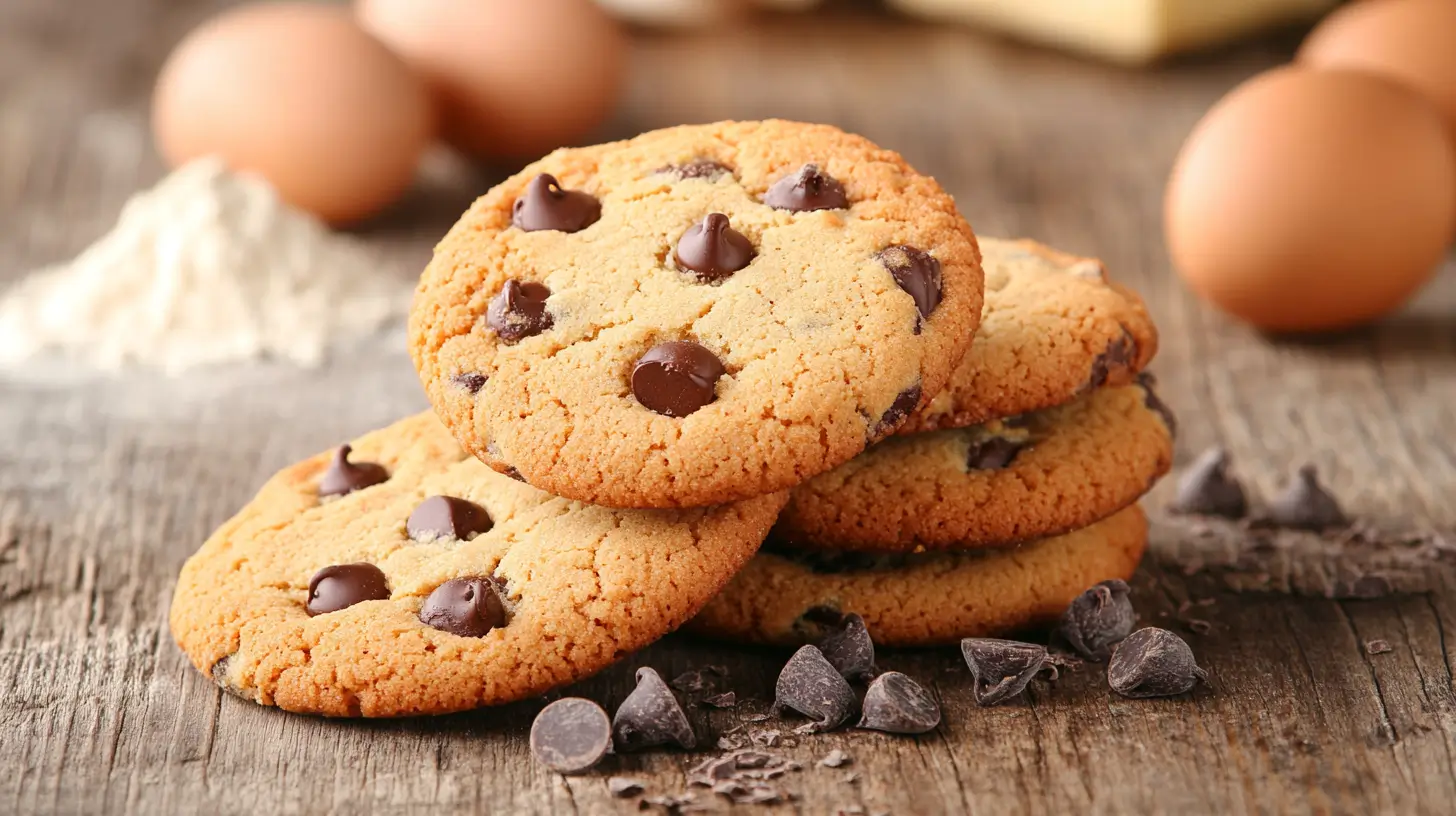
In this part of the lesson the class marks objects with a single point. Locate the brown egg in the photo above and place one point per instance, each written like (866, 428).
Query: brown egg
(515, 78)
(301, 95)
(1310, 200)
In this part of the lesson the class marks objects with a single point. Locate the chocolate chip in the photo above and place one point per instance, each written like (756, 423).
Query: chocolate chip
(1118, 354)
(848, 648)
(806, 190)
(811, 686)
(343, 585)
(344, 477)
(571, 735)
(992, 453)
(1098, 619)
(1002, 669)
(917, 272)
(1306, 505)
(1206, 488)
(513, 473)
(468, 607)
(698, 169)
(447, 517)
(1153, 662)
(676, 378)
(898, 705)
(651, 716)
(519, 311)
(1155, 403)
(712, 251)
(622, 787)
(895, 416)
(546, 206)
(471, 381)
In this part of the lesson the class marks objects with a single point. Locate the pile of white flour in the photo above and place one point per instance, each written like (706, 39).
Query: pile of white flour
(209, 266)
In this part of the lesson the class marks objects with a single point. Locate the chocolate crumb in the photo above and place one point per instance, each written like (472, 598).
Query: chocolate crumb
(727, 699)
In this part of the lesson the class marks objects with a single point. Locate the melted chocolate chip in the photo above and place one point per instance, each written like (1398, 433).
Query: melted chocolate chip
(1155, 403)
(519, 311)
(698, 169)
(447, 517)
(1002, 669)
(546, 206)
(344, 477)
(898, 705)
(848, 647)
(676, 378)
(809, 685)
(1117, 356)
(1153, 662)
(1306, 505)
(917, 272)
(1099, 619)
(992, 453)
(571, 735)
(471, 381)
(651, 716)
(468, 607)
(513, 473)
(712, 251)
(898, 411)
(807, 190)
(1206, 488)
(343, 585)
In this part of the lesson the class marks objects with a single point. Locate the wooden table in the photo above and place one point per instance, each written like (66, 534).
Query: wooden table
(106, 485)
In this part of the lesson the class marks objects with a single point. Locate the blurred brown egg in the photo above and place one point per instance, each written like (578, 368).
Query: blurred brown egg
(1311, 200)
(301, 95)
(515, 78)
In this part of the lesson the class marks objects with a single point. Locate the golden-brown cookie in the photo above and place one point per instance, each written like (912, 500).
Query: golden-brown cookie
(381, 598)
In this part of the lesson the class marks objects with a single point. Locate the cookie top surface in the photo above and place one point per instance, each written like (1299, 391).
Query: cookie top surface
(990, 485)
(922, 599)
(826, 304)
(387, 601)
(1054, 327)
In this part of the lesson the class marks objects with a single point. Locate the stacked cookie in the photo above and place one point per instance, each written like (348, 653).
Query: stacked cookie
(644, 355)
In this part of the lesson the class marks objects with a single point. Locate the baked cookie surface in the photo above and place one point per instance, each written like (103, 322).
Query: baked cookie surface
(697, 315)
(922, 599)
(423, 582)
(1054, 327)
(1038, 475)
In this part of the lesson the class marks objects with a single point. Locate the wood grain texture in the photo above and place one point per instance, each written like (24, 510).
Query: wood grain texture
(107, 485)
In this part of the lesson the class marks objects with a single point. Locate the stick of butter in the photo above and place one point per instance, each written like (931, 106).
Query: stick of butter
(1130, 31)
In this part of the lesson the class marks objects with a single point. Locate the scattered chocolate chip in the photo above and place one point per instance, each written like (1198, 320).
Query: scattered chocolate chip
(811, 686)
(468, 607)
(519, 311)
(343, 585)
(895, 416)
(676, 378)
(806, 190)
(1207, 489)
(898, 705)
(1118, 354)
(1002, 669)
(447, 517)
(698, 169)
(848, 648)
(1098, 618)
(992, 453)
(622, 787)
(651, 716)
(917, 272)
(1376, 647)
(1153, 662)
(571, 735)
(712, 251)
(836, 759)
(1306, 505)
(344, 477)
(471, 381)
(1155, 403)
(546, 206)
(727, 699)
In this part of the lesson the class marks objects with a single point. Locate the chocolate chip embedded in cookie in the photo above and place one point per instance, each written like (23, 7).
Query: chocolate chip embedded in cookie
(830, 288)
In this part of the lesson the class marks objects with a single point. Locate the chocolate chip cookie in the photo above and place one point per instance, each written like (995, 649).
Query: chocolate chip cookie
(697, 315)
(989, 485)
(1054, 327)
(402, 576)
(789, 597)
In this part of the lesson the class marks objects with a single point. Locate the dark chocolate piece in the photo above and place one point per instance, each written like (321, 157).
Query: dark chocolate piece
(546, 206)
(676, 378)
(1002, 669)
(344, 477)
(519, 311)
(992, 453)
(806, 190)
(1155, 403)
(1306, 505)
(571, 735)
(898, 705)
(1153, 662)
(471, 381)
(1098, 619)
(651, 716)
(1117, 356)
(447, 517)
(811, 686)
(1207, 489)
(712, 250)
(917, 272)
(895, 416)
(468, 607)
(342, 585)
(848, 648)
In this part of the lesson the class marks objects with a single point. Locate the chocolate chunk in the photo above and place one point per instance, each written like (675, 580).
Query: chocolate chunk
(698, 169)
(622, 787)
(992, 453)
(898, 705)
(1306, 505)
(848, 648)
(571, 735)
(811, 686)
(546, 206)
(1098, 619)
(712, 251)
(343, 585)
(651, 716)
(917, 272)
(895, 416)
(1118, 354)
(1155, 403)
(1002, 669)
(344, 477)
(676, 378)
(1153, 662)
(808, 189)
(1206, 488)
(447, 517)
(471, 381)
(519, 311)
(468, 607)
